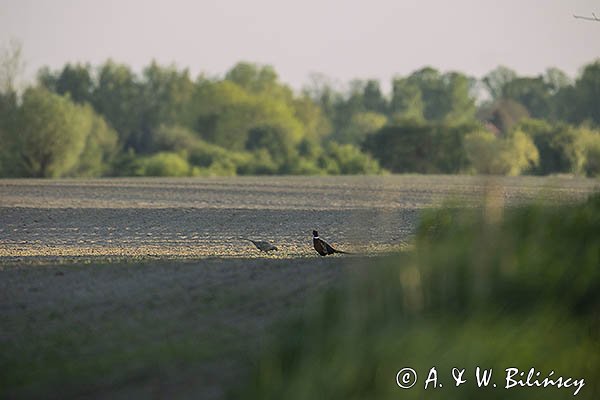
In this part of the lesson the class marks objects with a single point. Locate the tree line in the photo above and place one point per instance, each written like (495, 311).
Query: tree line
(84, 121)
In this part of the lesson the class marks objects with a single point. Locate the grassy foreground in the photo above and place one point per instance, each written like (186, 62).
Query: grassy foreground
(489, 287)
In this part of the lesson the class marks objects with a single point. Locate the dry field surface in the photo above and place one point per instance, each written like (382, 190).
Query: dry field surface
(188, 303)
(207, 217)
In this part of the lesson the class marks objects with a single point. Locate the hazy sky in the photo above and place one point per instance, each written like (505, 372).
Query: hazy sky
(343, 39)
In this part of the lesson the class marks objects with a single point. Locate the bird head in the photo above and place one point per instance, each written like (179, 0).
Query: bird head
(315, 234)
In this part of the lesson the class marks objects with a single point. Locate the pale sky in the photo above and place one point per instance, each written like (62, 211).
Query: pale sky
(343, 39)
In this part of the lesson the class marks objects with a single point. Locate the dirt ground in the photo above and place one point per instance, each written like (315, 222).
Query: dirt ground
(191, 218)
(142, 288)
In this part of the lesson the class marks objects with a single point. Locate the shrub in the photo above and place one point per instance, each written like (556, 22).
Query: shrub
(489, 154)
(420, 147)
(589, 142)
(563, 148)
(163, 164)
(350, 160)
(361, 124)
(173, 138)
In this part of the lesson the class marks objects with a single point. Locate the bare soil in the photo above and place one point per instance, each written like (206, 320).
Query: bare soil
(193, 218)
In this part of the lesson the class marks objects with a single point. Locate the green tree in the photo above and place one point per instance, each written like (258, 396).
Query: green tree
(321, 90)
(361, 124)
(446, 97)
(347, 159)
(271, 139)
(590, 142)
(533, 93)
(217, 108)
(421, 147)
(215, 160)
(11, 66)
(75, 80)
(562, 147)
(135, 106)
(51, 134)
(565, 105)
(252, 77)
(373, 99)
(118, 98)
(460, 102)
(312, 117)
(407, 101)
(164, 164)
(165, 94)
(8, 111)
(587, 93)
(556, 80)
(575, 103)
(489, 154)
(100, 149)
(346, 105)
(496, 80)
(225, 114)
(205, 159)
(172, 138)
(259, 79)
(429, 82)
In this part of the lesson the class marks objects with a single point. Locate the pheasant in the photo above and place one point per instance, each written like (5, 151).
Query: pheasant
(261, 245)
(322, 247)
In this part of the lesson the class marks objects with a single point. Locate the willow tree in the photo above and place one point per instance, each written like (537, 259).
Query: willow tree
(54, 137)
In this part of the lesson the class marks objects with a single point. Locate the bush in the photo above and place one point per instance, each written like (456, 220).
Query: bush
(361, 124)
(484, 289)
(349, 160)
(100, 150)
(272, 140)
(420, 147)
(49, 135)
(173, 138)
(304, 166)
(259, 163)
(589, 142)
(562, 147)
(163, 164)
(489, 154)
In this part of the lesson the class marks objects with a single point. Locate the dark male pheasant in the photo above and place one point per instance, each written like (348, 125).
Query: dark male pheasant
(322, 247)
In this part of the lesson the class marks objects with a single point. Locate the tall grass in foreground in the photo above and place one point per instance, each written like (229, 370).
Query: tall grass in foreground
(490, 287)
